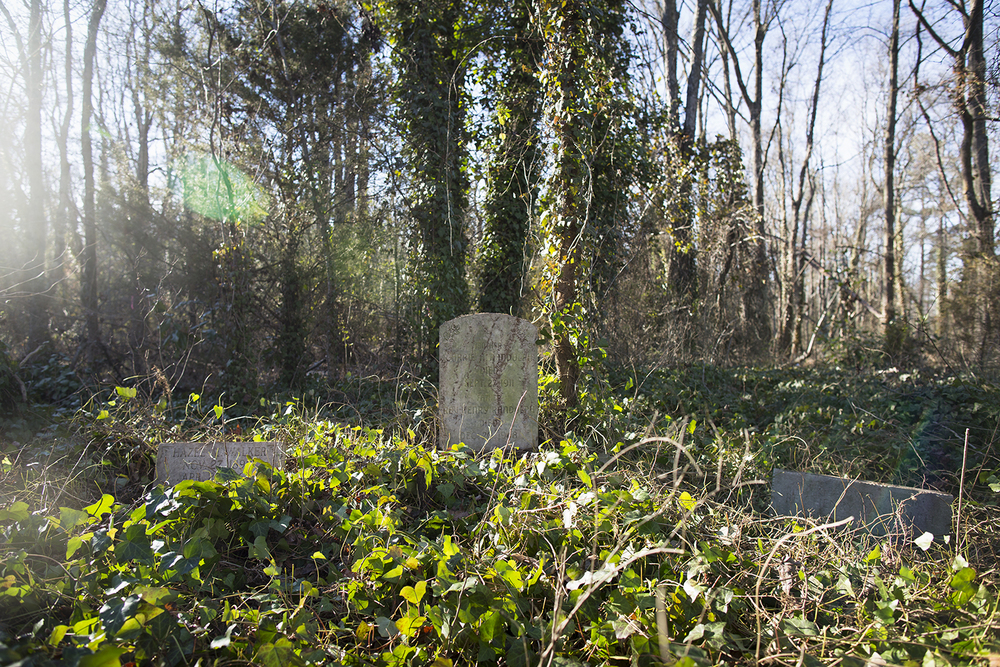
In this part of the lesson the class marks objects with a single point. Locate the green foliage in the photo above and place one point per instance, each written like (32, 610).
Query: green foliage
(512, 90)
(429, 43)
(10, 384)
(629, 543)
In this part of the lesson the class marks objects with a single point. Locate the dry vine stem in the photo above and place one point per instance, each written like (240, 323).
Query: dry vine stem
(770, 557)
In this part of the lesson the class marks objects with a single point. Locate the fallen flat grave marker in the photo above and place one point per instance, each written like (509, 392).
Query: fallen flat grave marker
(881, 508)
(177, 461)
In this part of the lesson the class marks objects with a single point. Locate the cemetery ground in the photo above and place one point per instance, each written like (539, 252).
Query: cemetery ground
(639, 535)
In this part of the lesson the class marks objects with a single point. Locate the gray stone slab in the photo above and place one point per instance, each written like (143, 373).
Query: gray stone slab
(177, 461)
(488, 392)
(880, 508)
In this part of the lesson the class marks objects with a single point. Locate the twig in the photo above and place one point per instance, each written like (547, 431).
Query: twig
(961, 494)
(770, 557)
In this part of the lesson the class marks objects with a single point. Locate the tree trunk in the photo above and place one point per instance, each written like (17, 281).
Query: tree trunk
(942, 278)
(756, 301)
(512, 179)
(891, 328)
(971, 105)
(63, 222)
(92, 333)
(568, 183)
(36, 226)
(791, 333)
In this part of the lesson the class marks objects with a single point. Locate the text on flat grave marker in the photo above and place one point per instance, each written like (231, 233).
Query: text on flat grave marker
(177, 461)
(488, 393)
(880, 508)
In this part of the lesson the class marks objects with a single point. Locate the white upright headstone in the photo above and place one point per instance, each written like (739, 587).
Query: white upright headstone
(488, 394)
(177, 461)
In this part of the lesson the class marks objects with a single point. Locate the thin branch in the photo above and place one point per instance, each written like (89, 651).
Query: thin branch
(927, 26)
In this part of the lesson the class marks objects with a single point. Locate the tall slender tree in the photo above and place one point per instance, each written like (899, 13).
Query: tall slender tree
(793, 282)
(891, 328)
(969, 98)
(756, 294)
(88, 288)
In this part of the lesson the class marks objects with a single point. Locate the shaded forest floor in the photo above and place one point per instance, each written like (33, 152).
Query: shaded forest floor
(640, 536)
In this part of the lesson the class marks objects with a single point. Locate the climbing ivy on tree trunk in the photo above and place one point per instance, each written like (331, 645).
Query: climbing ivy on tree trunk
(431, 100)
(584, 59)
(514, 168)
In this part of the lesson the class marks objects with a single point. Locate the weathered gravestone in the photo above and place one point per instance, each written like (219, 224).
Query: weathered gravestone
(488, 392)
(177, 461)
(880, 508)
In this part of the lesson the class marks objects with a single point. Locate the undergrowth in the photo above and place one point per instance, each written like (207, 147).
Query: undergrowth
(641, 537)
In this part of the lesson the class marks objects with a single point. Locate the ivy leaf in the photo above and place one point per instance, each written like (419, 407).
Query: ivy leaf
(964, 586)
(57, 634)
(114, 613)
(125, 392)
(106, 657)
(414, 594)
(386, 627)
(259, 549)
(224, 640)
(410, 626)
(687, 502)
(70, 518)
(488, 628)
(17, 512)
(101, 507)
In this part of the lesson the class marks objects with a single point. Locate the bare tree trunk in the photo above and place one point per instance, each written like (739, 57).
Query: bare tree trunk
(138, 223)
(683, 271)
(669, 19)
(756, 304)
(942, 278)
(88, 296)
(727, 82)
(891, 328)
(791, 333)
(64, 220)
(36, 226)
(971, 104)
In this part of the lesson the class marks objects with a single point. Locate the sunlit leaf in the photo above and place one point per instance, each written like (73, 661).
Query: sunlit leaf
(70, 518)
(106, 657)
(687, 502)
(224, 640)
(101, 507)
(17, 511)
(57, 634)
(126, 392)
(408, 626)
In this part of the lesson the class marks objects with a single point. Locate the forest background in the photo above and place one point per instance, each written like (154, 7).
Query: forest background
(754, 234)
(241, 197)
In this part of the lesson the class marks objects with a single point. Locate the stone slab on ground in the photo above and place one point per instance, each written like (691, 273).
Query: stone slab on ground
(178, 461)
(880, 508)
(488, 390)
